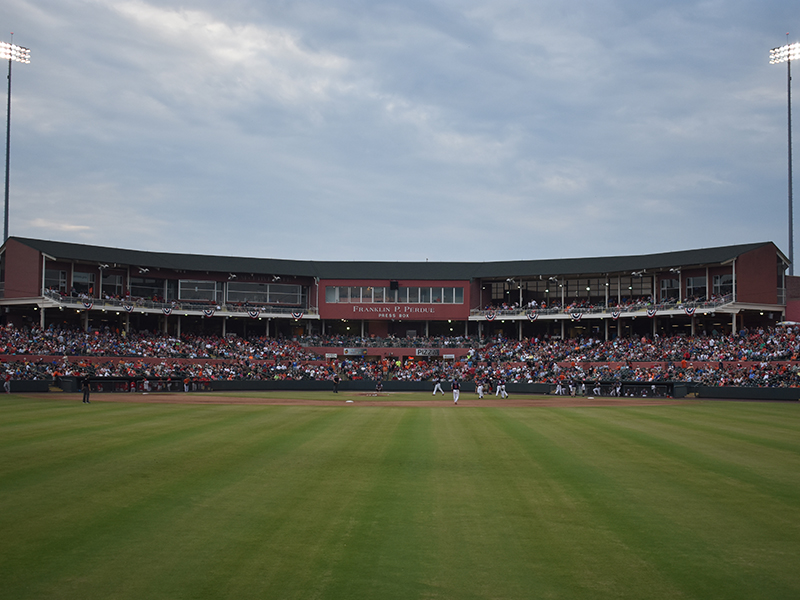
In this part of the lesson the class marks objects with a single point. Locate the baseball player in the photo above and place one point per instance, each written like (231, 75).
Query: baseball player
(456, 390)
(501, 388)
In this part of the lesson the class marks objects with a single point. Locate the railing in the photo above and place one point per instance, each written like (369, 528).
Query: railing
(130, 305)
(689, 307)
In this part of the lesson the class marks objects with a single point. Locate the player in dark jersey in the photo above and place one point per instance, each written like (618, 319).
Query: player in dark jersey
(456, 387)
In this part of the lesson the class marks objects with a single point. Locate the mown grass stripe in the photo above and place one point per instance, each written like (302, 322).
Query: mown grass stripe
(159, 501)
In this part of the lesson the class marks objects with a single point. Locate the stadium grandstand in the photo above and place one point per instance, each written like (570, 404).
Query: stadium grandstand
(640, 325)
(689, 292)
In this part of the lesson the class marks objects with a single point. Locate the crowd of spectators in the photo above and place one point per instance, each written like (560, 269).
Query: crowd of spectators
(625, 304)
(762, 357)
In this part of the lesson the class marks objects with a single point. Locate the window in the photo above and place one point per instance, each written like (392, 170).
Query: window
(695, 288)
(283, 293)
(55, 280)
(331, 294)
(83, 283)
(723, 285)
(669, 289)
(189, 289)
(147, 287)
(248, 292)
(112, 285)
(361, 295)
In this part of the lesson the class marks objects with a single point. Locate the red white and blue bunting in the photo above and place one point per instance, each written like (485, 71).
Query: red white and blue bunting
(128, 307)
(88, 304)
(490, 316)
(576, 316)
(532, 316)
(297, 315)
(208, 312)
(615, 314)
(254, 313)
(689, 310)
(167, 310)
(651, 312)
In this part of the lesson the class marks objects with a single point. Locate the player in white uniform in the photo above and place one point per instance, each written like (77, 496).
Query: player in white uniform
(456, 391)
(479, 389)
(438, 386)
(501, 389)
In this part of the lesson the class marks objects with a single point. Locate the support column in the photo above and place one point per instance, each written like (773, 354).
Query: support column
(733, 324)
(165, 326)
(179, 326)
(562, 329)
(693, 325)
(85, 319)
(605, 321)
(655, 327)
(127, 322)
(224, 325)
(41, 317)
(519, 330)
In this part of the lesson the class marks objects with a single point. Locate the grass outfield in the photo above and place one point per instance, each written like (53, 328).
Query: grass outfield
(147, 501)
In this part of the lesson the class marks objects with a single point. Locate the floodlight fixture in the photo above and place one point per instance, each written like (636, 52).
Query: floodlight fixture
(787, 54)
(784, 53)
(13, 53)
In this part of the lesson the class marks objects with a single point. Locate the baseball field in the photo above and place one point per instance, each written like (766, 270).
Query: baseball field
(306, 495)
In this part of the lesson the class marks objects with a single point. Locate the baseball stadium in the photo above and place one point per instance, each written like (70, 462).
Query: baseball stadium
(200, 426)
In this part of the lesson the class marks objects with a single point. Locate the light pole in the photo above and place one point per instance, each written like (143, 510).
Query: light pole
(786, 54)
(23, 55)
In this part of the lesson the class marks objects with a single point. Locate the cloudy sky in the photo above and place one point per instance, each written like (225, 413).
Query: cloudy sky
(402, 130)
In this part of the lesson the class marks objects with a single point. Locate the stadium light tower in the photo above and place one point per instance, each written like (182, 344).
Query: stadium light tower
(19, 54)
(787, 54)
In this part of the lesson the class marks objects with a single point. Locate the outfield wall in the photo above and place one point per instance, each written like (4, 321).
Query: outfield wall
(672, 389)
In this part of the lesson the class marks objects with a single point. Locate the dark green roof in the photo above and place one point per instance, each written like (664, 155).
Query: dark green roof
(566, 267)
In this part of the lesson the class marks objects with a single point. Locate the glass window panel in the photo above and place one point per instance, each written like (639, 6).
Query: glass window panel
(331, 294)
(280, 293)
(413, 295)
(83, 283)
(448, 296)
(255, 293)
(723, 284)
(112, 285)
(425, 295)
(378, 294)
(695, 288)
(189, 289)
(459, 296)
(55, 280)
(147, 287)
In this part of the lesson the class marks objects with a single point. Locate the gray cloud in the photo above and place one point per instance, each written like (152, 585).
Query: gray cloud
(399, 131)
